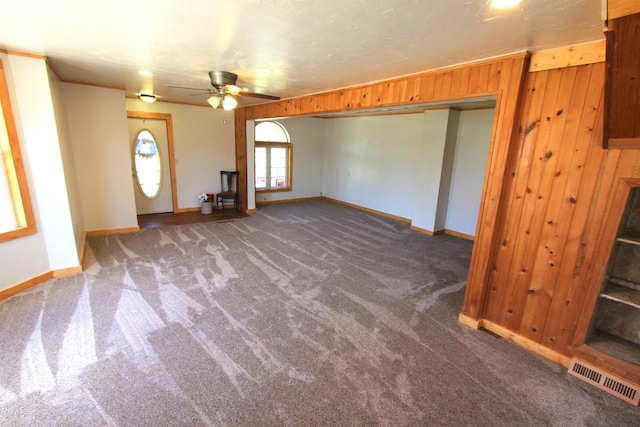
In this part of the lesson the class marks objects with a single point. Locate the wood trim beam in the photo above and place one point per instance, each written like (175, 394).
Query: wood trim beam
(27, 284)
(447, 84)
(34, 281)
(460, 235)
(112, 231)
(425, 231)
(568, 56)
(620, 8)
(240, 123)
(624, 143)
(526, 343)
(25, 54)
(276, 202)
(365, 209)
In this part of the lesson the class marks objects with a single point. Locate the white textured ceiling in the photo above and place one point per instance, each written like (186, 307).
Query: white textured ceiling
(286, 48)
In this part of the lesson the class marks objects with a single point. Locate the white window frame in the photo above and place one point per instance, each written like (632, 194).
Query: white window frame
(273, 144)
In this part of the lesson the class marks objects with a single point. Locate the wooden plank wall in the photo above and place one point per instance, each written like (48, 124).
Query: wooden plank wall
(619, 8)
(240, 120)
(477, 79)
(622, 93)
(565, 195)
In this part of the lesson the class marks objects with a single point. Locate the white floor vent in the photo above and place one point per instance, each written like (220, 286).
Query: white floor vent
(605, 381)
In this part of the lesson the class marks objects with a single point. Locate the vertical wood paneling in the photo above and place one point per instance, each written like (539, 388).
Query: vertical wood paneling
(376, 94)
(542, 125)
(565, 307)
(623, 78)
(618, 8)
(427, 87)
(496, 308)
(241, 157)
(541, 174)
(445, 88)
(572, 209)
(483, 78)
(413, 89)
(495, 76)
(463, 81)
(619, 173)
(565, 195)
(562, 199)
(493, 204)
(474, 79)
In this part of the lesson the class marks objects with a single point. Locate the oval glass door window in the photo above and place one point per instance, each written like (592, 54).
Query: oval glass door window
(148, 164)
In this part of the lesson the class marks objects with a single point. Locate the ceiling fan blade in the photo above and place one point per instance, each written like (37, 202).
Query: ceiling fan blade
(233, 89)
(224, 82)
(196, 94)
(258, 95)
(189, 88)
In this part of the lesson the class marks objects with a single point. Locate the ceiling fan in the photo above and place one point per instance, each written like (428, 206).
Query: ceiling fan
(225, 90)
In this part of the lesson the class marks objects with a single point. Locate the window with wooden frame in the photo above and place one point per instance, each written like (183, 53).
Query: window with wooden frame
(16, 214)
(273, 157)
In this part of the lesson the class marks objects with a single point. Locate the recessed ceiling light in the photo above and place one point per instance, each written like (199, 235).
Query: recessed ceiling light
(504, 4)
(145, 73)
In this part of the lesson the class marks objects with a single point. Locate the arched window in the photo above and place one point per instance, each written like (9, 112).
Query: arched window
(273, 157)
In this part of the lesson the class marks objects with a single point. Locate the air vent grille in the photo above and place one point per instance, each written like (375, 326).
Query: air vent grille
(605, 381)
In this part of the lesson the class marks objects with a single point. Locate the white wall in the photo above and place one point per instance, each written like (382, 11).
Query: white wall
(71, 179)
(469, 166)
(368, 161)
(100, 143)
(204, 144)
(447, 170)
(53, 246)
(307, 136)
(251, 164)
(426, 167)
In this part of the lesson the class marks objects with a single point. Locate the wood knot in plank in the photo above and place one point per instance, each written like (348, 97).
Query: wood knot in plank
(531, 127)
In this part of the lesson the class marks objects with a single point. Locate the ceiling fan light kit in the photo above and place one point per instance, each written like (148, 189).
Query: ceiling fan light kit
(214, 101)
(225, 91)
(229, 102)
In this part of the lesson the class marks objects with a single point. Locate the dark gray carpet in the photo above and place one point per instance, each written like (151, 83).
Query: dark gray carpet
(303, 314)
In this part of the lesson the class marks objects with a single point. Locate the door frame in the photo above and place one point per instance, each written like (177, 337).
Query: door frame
(172, 159)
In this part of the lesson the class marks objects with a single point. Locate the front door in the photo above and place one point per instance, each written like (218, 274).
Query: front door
(150, 162)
